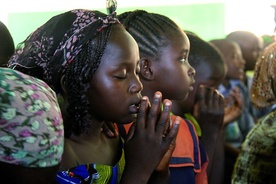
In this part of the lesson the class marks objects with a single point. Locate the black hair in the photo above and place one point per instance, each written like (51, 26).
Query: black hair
(77, 78)
(201, 50)
(7, 47)
(150, 30)
(43, 57)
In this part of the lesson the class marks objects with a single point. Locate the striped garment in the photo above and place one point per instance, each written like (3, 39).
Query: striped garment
(93, 173)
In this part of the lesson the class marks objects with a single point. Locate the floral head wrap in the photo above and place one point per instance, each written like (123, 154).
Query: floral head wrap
(264, 78)
(68, 48)
(48, 51)
(31, 126)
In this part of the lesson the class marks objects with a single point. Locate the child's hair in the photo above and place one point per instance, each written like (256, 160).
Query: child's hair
(6, 44)
(150, 30)
(69, 45)
(201, 51)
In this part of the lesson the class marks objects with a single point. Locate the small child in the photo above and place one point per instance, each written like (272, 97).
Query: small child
(207, 117)
(31, 129)
(236, 130)
(164, 50)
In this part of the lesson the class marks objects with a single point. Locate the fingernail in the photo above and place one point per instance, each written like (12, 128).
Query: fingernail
(157, 95)
(167, 105)
(177, 121)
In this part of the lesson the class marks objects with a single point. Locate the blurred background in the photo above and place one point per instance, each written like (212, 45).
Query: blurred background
(209, 19)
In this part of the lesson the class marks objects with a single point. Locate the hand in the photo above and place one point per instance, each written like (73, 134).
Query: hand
(110, 130)
(209, 109)
(233, 111)
(146, 147)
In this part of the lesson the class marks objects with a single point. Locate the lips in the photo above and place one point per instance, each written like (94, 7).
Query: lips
(191, 88)
(134, 108)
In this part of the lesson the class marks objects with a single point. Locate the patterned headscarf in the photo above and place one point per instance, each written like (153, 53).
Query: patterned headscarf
(69, 45)
(48, 51)
(31, 125)
(264, 78)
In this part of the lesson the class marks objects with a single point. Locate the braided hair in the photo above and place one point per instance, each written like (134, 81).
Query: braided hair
(77, 78)
(150, 30)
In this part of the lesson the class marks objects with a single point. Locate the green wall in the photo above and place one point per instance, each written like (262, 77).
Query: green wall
(206, 20)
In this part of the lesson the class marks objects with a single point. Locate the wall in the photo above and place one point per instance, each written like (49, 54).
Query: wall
(207, 20)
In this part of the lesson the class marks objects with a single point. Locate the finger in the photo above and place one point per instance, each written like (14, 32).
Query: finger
(201, 95)
(142, 113)
(216, 97)
(221, 100)
(109, 129)
(171, 136)
(163, 125)
(210, 97)
(154, 112)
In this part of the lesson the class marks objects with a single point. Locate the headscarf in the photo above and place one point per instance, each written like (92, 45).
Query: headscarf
(69, 47)
(53, 46)
(31, 125)
(262, 94)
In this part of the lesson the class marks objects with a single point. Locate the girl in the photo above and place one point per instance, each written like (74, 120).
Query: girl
(164, 50)
(93, 63)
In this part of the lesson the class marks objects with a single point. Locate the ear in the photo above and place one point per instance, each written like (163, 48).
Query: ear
(146, 70)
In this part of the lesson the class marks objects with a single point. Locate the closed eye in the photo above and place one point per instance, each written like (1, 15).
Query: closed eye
(120, 77)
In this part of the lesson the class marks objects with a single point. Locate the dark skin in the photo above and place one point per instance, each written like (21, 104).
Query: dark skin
(147, 153)
(250, 45)
(174, 64)
(206, 104)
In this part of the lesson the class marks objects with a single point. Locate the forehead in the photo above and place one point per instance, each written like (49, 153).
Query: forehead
(179, 39)
(121, 47)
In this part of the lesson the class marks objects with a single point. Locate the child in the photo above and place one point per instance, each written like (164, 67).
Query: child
(164, 50)
(207, 117)
(235, 131)
(31, 129)
(251, 46)
(256, 162)
(93, 63)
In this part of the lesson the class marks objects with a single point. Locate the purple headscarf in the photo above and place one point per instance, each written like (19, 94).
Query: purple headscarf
(48, 51)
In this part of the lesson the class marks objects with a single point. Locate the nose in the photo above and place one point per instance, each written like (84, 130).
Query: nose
(136, 85)
(191, 71)
(242, 61)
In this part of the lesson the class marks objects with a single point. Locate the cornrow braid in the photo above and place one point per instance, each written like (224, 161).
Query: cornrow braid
(87, 63)
(150, 30)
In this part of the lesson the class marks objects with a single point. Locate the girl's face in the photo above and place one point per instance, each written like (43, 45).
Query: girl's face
(209, 74)
(235, 62)
(174, 75)
(115, 90)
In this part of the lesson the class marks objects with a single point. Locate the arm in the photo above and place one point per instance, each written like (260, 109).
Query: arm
(209, 111)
